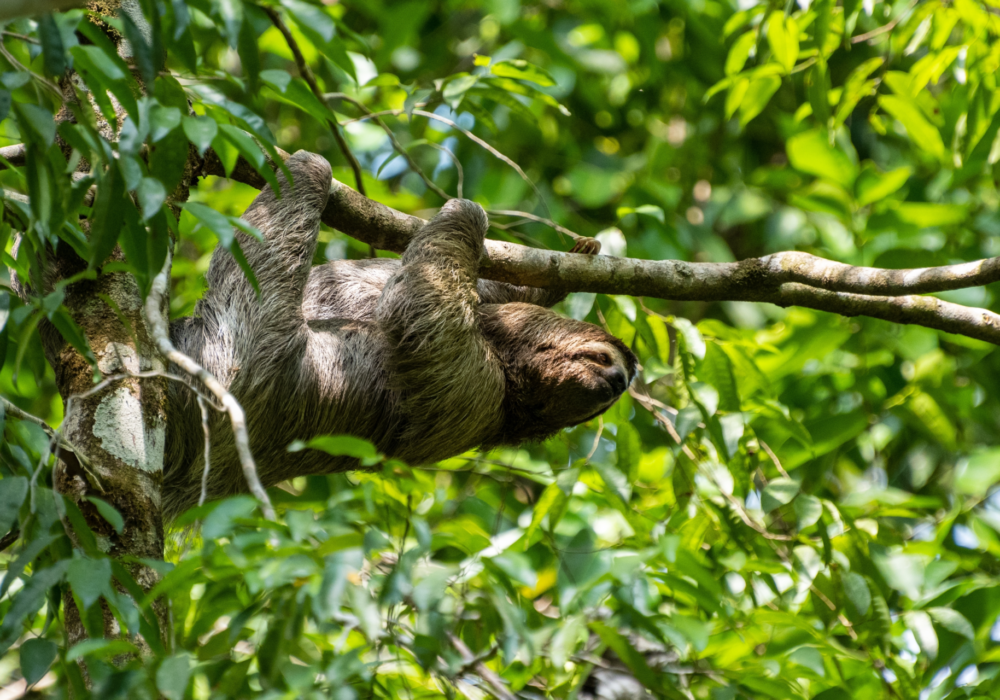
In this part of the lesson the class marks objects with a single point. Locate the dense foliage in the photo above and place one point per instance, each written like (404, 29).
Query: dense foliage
(789, 504)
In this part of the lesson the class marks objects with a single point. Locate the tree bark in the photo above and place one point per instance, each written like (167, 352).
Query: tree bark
(120, 426)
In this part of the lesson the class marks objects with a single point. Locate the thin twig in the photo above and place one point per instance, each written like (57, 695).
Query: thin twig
(885, 28)
(147, 374)
(456, 162)
(484, 144)
(160, 332)
(534, 217)
(52, 87)
(774, 458)
(484, 671)
(597, 437)
(51, 432)
(395, 142)
(310, 79)
(203, 405)
(469, 664)
(10, 538)
(20, 37)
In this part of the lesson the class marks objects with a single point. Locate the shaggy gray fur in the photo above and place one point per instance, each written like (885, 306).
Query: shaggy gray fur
(415, 355)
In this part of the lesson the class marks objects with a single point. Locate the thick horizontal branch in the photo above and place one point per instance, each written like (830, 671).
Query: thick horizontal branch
(9, 9)
(785, 279)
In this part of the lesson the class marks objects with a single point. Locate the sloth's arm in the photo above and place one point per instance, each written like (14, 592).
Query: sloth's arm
(427, 313)
(280, 263)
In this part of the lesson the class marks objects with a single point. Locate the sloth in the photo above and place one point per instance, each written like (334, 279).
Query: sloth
(416, 355)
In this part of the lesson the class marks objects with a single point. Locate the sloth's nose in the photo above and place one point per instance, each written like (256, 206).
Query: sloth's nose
(616, 378)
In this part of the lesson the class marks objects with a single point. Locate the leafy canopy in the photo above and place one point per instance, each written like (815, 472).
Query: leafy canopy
(791, 504)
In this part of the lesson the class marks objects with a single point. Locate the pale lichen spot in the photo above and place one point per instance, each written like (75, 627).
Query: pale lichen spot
(115, 355)
(118, 423)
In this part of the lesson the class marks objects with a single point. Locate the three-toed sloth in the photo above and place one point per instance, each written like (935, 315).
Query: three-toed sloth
(416, 355)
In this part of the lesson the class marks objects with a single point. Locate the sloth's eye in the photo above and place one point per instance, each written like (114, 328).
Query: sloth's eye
(601, 358)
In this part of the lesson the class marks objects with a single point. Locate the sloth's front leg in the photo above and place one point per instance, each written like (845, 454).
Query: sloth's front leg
(280, 262)
(451, 384)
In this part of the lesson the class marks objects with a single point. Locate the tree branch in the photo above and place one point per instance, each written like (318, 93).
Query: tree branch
(159, 331)
(786, 279)
(10, 9)
(773, 279)
(16, 155)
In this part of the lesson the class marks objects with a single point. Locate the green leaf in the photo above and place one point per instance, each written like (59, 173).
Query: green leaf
(456, 88)
(693, 342)
(90, 579)
(249, 54)
(856, 87)
(163, 120)
(142, 52)
(36, 122)
(783, 38)
(100, 648)
(873, 186)
(36, 656)
(629, 450)
(757, 95)
(53, 51)
(200, 131)
(777, 493)
(215, 222)
(296, 93)
(251, 152)
(521, 70)
(901, 571)
(856, 590)
(109, 513)
(975, 474)
(550, 500)
(341, 446)
(811, 152)
(931, 215)
(818, 90)
(921, 132)
(717, 370)
(28, 600)
(808, 510)
(313, 17)
(168, 158)
(172, 676)
(13, 490)
(740, 52)
(151, 195)
(953, 621)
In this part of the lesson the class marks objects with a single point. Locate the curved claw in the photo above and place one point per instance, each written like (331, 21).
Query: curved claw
(586, 246)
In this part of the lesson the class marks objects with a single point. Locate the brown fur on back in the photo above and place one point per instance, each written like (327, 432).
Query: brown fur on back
(417, 355)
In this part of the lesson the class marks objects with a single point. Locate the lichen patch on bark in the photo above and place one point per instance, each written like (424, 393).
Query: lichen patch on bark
(118, 424)
(115, 355)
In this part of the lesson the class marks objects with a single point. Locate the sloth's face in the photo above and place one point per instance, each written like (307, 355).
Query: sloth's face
(560, 372)
(579, 378)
